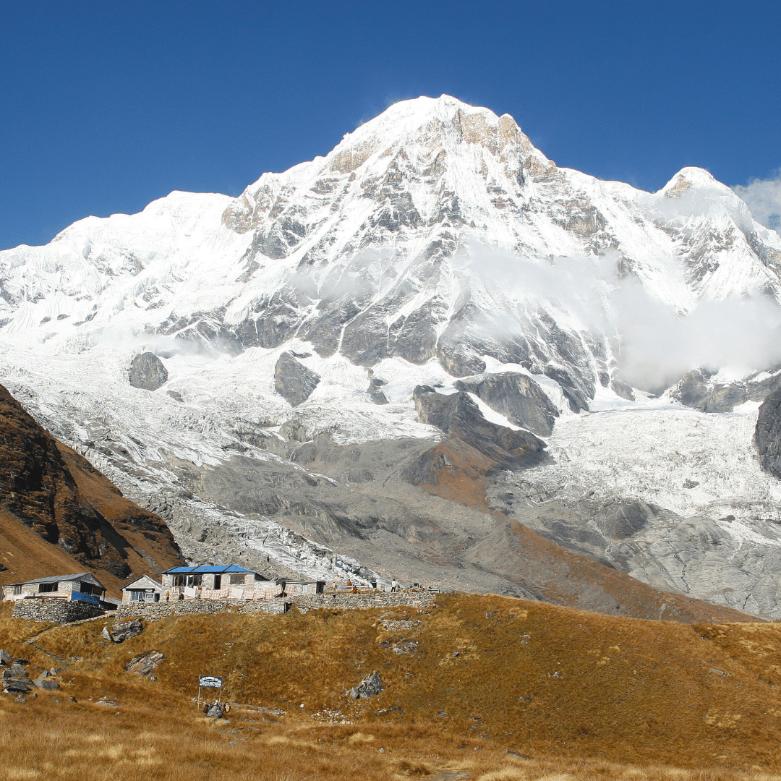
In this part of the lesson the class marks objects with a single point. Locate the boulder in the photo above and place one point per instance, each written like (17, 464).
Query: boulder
(46, 681)
(145, 664)
(215, 711)
(147, 372)
(293, 381)
(375, 391)
(516, 396)
(5, 658)
(370, 686)
(123, 630)
(767, 434)
(16, 679)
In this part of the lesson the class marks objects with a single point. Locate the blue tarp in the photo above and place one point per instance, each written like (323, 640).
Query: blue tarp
(80, 596)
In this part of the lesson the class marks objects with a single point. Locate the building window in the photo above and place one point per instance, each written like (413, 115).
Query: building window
(136, 596)
(17, 589)
(237, 580)
(47, 588)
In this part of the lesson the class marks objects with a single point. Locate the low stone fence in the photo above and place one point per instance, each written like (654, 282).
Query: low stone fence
(364, 600)
(55, 611)
(153, 611)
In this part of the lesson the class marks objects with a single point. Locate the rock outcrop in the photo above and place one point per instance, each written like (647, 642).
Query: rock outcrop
(293, 381)
(767, 434)
(459, 417)
(123, 630)
(516, 396)
(145, 664)
(147, 372)
(57, 494)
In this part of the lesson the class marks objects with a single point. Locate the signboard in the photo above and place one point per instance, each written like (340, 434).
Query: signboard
(210, 682)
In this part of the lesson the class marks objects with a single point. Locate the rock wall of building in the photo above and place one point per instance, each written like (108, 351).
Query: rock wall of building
(56, 611)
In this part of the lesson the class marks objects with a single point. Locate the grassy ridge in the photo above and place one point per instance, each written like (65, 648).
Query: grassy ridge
(560, 690)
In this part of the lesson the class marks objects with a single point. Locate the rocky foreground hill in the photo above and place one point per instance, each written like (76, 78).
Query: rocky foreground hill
(433, 354)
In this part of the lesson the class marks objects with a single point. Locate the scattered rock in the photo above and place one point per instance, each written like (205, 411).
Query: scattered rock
(215, 711)
(46, 681)
(123, 630)
(293, 381)
(399, 625)
(16, 680)
(5, 658)
(370, 686)
(145, 664)
(107, 702)
(176, 396)
(405, 647)
(147, 372)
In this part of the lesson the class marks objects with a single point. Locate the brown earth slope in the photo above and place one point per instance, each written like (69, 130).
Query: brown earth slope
(477, 687)
(58, 514)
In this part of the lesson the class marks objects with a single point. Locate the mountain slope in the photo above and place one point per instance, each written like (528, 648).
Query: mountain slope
(58, 514)
(434, 247)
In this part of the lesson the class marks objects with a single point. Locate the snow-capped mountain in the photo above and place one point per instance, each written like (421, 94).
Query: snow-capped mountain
(434, 246)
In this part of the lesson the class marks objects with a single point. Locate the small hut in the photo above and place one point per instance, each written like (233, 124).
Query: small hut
(142, 590)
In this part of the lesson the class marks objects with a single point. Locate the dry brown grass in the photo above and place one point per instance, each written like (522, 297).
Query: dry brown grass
(493, 682)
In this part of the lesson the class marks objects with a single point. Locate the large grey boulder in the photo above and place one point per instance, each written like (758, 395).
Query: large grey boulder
(370, 686)
(147, 372)
(16, 679)
(516, 396)
(767, 434)
(293, 381)
(123, 630)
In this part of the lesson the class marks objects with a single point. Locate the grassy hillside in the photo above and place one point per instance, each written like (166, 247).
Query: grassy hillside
(486, 687)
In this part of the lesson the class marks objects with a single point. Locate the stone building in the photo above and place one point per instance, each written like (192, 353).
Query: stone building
(142, 590)
(216, 581)
(81, 587)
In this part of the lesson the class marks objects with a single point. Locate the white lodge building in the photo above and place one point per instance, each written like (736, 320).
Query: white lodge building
(216, 581)
(81, 587)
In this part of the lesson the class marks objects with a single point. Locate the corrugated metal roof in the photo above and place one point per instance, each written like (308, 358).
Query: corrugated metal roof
(66, 578)
(143, 582)
(208, 569)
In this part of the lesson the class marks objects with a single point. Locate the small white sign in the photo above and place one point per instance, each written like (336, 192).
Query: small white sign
(210, 682)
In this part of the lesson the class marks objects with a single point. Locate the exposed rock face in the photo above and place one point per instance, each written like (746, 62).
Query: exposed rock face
(370, 686)
(147, 372)
(293, 381)
(518, 397)
(698, 389)
(61, 497)
(767, 435)
(457, 415)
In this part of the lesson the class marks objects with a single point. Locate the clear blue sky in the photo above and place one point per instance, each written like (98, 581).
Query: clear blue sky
(105, 105)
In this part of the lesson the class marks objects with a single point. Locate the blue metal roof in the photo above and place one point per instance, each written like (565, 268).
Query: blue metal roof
(209, 569)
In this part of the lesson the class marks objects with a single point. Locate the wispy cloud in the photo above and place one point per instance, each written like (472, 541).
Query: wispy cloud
(763, 197)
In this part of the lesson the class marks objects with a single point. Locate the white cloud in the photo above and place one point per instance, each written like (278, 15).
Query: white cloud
(763, 197)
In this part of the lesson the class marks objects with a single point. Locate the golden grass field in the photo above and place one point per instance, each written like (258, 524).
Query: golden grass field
(497, 689)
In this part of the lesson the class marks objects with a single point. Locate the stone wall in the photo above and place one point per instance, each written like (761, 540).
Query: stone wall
(363, 601)
(53, 610)
(153, 611)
